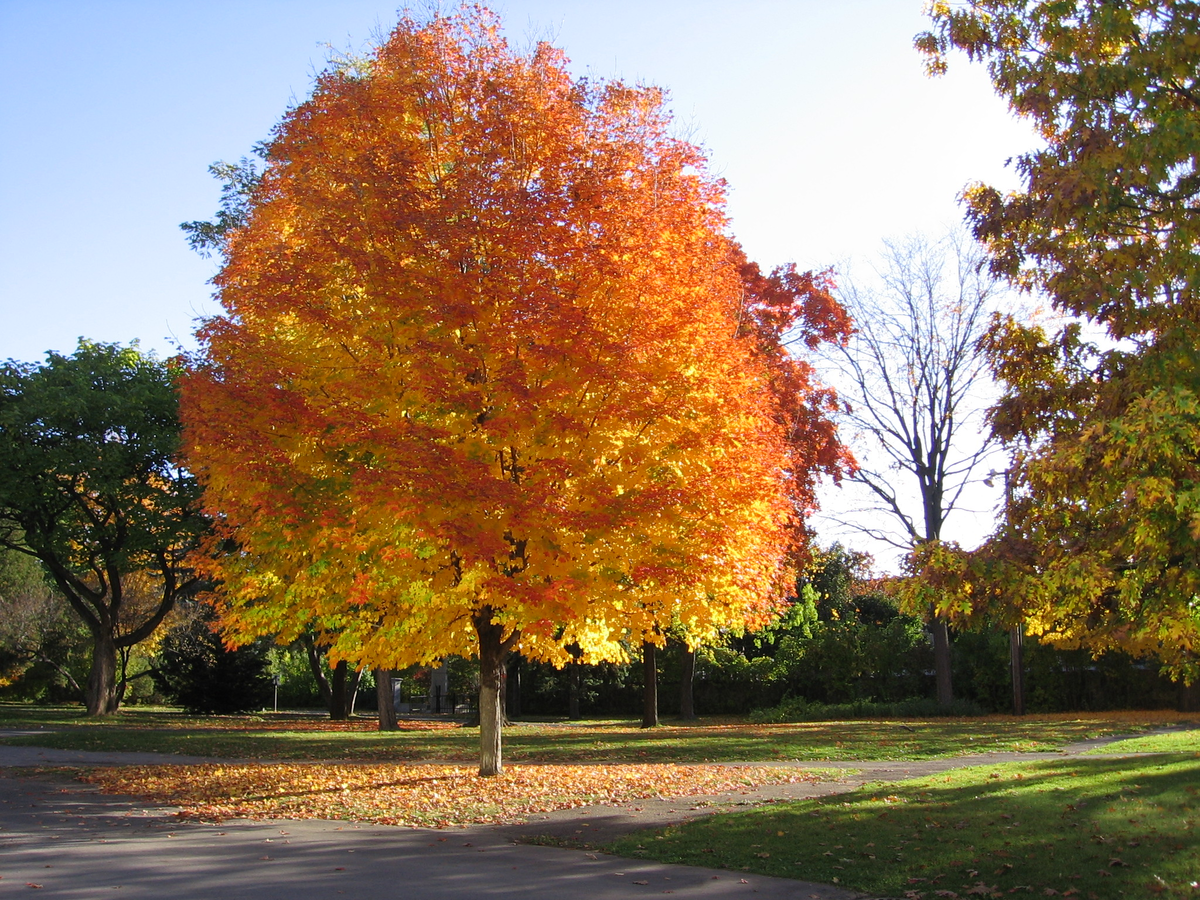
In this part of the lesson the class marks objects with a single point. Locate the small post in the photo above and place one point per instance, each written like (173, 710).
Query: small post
(275, 678)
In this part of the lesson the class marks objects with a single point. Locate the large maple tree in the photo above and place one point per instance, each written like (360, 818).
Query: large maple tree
(1102, 410)
(490, 376)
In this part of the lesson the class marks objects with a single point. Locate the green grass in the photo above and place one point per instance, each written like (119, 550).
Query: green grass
(1173, 742)
(1085, 828)
(279, 736)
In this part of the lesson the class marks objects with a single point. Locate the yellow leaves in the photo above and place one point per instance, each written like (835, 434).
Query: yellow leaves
(418, 795)
(940, 578)
(1110, 521)
(518, 384)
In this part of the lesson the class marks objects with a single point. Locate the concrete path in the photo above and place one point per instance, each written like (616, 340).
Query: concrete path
(80, 845)
(70, 841)
(13, 755)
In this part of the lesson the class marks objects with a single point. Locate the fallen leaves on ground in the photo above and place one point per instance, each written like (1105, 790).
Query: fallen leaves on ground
(369, 726)
(318, 725)
(421, 795)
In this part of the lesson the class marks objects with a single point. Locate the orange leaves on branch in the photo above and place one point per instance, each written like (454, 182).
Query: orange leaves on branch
(780, 309)
(487, 355)
(419, 795)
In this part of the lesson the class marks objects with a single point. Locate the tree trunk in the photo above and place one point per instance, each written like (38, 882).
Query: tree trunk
(318, 671)
(941, 660)
(1016, 664)
(492, 650)
(385, 700)
(339, 695)
(512, 687)
(650, 695)
(122, 678)
(1187, 697)
(102, 696)
(352, 690)
(687, 707)
(574, 688)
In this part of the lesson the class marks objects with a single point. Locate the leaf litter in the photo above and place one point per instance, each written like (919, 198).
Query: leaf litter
(421, 795)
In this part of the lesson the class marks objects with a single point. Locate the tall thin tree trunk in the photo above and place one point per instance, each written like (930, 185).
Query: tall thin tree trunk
(339, 697)
(650, 694)
(353, 681)
(122, 677)
(574, 689)
(941, 660)
(102, 696)
(574, 682)
(504, 691)
(1187, 697)
(512, 687)
(687, 706)
(318, 671)
(1016, 664)
(385, 700)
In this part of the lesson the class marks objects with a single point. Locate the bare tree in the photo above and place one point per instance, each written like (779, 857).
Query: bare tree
(917, 384)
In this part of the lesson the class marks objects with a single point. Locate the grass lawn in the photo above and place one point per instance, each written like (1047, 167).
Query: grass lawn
(1174, 742)
(287, 737)
(1083, 828)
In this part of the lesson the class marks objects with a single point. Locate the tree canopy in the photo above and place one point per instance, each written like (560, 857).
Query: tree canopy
(90, 486)
(1102, 411)
(483, 380)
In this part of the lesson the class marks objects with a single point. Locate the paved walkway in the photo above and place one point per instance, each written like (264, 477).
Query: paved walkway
(73, 842)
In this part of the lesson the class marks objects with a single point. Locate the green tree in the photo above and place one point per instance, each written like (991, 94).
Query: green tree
(1103, 411)
(848, 640)
(38, 636)
(203, 676)
(89, 486)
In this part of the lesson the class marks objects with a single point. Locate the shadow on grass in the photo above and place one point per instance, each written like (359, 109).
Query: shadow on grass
(1086, 828)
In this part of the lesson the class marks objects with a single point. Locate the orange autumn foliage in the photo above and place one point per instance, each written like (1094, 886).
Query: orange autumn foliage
(423, 795)
(491, 375)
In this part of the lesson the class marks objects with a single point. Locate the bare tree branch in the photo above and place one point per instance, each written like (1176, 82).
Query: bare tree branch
(917, 381)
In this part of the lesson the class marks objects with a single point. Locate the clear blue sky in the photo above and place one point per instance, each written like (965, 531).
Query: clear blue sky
(817, 113)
